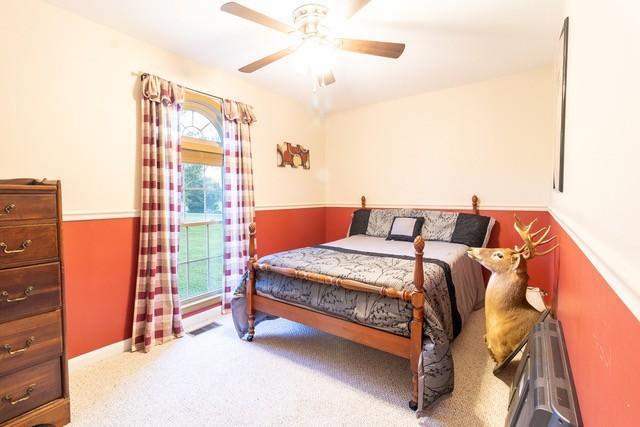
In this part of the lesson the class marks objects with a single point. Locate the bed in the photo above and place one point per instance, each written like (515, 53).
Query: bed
(406, 298)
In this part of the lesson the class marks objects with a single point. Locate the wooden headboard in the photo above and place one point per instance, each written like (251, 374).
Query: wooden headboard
(475, 202)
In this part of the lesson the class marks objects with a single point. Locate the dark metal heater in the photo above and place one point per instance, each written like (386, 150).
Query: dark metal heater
(542, 392)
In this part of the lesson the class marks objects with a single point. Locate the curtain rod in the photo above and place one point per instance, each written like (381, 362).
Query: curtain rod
(141, 75)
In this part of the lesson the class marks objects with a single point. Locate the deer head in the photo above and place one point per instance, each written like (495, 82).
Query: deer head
(500, 260)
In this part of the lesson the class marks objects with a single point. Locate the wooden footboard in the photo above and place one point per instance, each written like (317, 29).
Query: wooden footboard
(409, 348)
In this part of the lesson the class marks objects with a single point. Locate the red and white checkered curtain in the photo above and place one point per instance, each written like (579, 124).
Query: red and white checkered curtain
(157, 316)
(239, 206)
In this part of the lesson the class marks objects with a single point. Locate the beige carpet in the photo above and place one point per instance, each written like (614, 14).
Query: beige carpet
(290, 375)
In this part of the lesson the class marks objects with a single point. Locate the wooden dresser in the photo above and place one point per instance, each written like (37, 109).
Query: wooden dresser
(33, 366)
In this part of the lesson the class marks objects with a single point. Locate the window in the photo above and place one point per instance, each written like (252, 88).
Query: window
(201, 251)
(195, 125)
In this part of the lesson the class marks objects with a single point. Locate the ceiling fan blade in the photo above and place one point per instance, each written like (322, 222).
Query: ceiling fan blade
(325, 79)
(265, 61)
(257, 17)
(370, 47)
(354, 6)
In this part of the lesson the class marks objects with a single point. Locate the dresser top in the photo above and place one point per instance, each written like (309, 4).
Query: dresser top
(28, 185)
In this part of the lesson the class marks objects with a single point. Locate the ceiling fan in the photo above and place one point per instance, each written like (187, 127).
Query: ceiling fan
(310, 35)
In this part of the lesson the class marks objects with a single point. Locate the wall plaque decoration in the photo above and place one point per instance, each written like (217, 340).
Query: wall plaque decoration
(293, 155)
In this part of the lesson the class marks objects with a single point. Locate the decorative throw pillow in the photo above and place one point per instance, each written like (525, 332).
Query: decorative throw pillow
(472, 230)
(380, 220)
(405, 228)
(438, 225)
(359, 222)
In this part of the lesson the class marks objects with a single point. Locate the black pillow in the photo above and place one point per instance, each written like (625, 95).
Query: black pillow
(405, 228)
(472, 230)
(359, 222)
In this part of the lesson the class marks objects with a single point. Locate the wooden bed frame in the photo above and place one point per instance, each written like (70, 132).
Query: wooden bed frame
(408, 348)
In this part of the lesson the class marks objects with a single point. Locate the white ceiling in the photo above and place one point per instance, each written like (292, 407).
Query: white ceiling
(449, 42)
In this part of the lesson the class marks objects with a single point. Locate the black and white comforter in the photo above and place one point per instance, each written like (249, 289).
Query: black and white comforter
(382, 263)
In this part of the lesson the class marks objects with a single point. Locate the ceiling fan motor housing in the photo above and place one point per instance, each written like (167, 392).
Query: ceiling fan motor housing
(310, 20)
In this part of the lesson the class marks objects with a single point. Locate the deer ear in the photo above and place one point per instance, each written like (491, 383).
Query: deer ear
(515, 258)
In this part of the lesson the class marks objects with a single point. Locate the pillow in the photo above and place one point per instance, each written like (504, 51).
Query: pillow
(359, 222)
(380, 220)
(438, 225)
(472, 230)
(405, 228)
(467, 229)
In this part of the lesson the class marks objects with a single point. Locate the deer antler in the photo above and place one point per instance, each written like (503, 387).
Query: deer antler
(528, 249)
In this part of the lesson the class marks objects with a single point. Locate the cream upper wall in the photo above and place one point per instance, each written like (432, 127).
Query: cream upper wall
(491, 138)
(69, 111)
(601, 199)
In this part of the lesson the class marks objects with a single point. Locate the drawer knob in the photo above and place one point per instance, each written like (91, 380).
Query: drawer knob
(24, 246)
(26, 293)
(27, 344)
(27, 394)
(7, 209)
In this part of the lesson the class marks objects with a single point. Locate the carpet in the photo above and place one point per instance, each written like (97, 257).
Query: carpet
(290, 375)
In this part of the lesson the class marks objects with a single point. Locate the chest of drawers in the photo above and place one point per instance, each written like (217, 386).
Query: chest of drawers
(33, 365)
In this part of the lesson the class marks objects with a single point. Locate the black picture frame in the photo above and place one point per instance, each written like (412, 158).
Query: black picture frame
(558, 165)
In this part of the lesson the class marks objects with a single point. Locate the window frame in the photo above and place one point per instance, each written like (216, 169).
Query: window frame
(196, 151)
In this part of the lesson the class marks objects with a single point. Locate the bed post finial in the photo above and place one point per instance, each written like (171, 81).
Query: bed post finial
(252, 240)
(417, 301)
(363, 201)
(474, 204)
(251, 282)
(418, 277)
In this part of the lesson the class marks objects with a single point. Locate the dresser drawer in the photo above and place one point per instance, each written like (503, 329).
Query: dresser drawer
(27, 206)
(27, 389)
(27, 243)
(26, 341)
(25, 291)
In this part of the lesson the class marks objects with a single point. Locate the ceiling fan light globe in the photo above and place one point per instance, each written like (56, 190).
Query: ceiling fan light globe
(316, 55)
(321, 66)
(295, 39)
(298, 64)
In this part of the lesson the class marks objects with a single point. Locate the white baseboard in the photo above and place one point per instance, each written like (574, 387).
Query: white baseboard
(189, 324)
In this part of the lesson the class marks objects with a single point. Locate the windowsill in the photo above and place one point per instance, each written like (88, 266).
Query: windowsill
(198, 305)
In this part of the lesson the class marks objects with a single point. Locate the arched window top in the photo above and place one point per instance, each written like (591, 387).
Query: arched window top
(201, 119)
(194, 124)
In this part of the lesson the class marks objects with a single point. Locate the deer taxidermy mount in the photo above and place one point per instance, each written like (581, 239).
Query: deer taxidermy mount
(310, 36)
(508, 315)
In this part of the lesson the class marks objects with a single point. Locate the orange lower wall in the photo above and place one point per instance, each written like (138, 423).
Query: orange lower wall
(602, 338)
(283, 229)
(100, 258)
